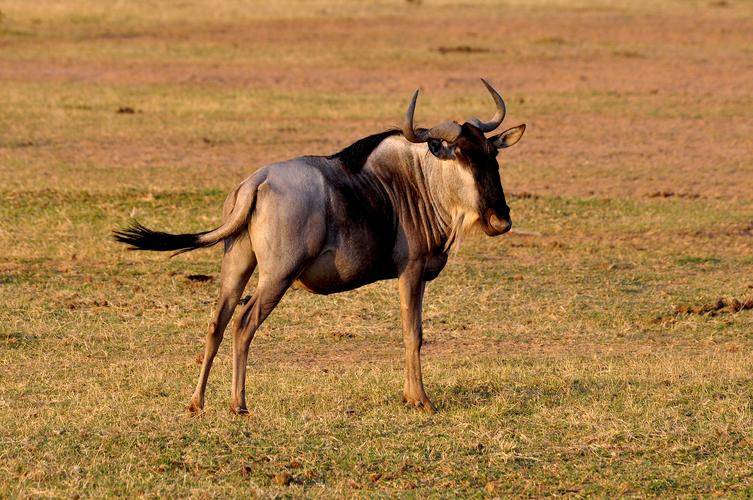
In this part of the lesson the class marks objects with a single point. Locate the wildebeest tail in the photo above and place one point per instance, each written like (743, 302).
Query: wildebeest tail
(139, 237)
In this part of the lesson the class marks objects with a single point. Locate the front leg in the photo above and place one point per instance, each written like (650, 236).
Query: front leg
(412, 285)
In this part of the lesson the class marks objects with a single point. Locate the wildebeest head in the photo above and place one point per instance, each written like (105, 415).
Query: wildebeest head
(466, 149)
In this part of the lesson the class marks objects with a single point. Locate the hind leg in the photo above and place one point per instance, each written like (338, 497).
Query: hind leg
(287, 231)
(237, 267)
(264, 299)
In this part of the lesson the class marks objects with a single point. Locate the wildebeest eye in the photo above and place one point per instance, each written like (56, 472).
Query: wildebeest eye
(435, 146)
(441, 150)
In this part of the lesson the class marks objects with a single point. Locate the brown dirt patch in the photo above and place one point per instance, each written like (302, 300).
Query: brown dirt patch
(722, 305)
(719, 306)
(672, 194)
(199, 278)
(461, 49)
(617, 104)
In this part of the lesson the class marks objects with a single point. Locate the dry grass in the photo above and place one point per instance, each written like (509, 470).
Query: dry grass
(633, 191)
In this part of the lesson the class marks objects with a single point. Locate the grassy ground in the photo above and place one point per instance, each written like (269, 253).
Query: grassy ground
(554, 354)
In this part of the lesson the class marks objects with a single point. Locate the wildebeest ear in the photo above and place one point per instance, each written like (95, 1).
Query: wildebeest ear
(509, 137)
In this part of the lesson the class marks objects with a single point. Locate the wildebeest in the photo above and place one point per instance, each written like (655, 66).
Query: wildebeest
(391, 205)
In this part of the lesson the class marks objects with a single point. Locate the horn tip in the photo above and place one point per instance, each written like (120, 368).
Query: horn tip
(415, 96)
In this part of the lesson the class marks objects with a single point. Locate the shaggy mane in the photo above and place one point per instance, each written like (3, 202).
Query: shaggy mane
(354, 157)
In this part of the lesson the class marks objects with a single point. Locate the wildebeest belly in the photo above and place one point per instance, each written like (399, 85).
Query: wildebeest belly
(341, 268)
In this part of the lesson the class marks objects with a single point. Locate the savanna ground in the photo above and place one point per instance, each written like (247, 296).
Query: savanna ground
(555, 354)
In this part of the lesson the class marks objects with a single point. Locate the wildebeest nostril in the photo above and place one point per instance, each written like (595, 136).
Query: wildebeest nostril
(500, 225)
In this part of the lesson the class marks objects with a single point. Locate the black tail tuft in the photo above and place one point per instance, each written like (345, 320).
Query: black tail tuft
(139, 237)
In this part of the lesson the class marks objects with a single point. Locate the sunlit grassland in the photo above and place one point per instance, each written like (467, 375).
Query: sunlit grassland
(544, 357)
(554, 354)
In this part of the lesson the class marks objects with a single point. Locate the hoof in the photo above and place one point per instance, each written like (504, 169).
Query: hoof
(421, 404)
(195, 408)
(239, 410)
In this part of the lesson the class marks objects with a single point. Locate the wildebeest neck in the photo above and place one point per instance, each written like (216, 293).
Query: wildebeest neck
(412, 179)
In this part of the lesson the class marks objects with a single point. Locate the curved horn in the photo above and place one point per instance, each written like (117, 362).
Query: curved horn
(409, 132)
(447, 131)
(498, 116)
